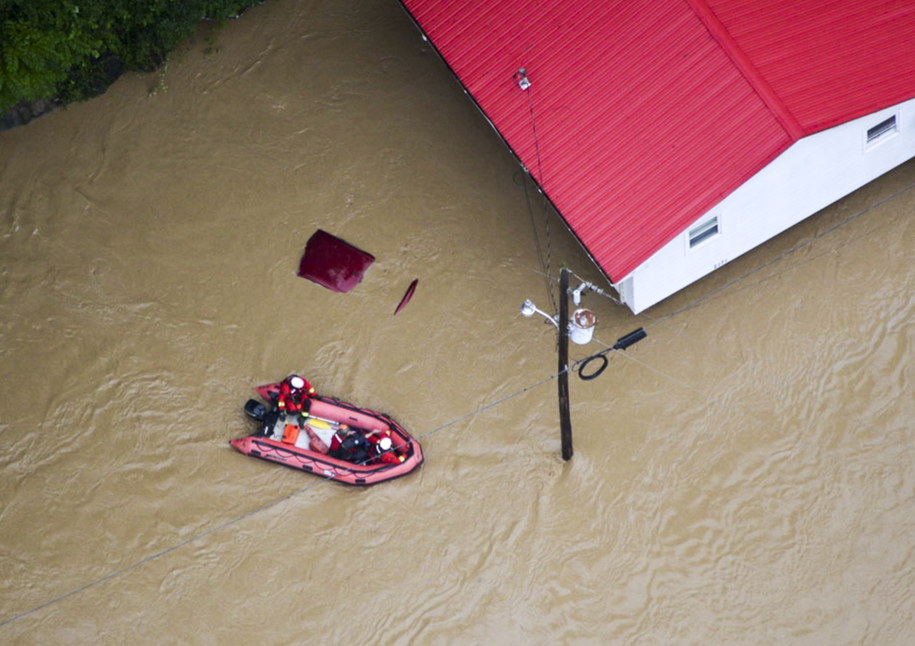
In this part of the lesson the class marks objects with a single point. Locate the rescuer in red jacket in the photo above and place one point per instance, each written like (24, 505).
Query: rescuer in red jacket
(383, 449)
(295, 396)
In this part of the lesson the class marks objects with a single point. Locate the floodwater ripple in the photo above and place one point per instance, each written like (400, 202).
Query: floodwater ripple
(742, 476)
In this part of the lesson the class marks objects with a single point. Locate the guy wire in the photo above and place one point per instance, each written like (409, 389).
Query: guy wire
(248, 514)
(797, 247)
(270, 504)
(540, 182)
(544, 262)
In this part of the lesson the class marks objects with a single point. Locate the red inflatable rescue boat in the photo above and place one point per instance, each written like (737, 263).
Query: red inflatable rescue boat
(291, 440)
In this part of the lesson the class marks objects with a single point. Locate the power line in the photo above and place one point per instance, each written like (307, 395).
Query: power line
(160, 553)
(608, 348)
(797, 247)
(253, 512)
(525, 85)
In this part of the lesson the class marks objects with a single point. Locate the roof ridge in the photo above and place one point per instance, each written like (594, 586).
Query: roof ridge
(756, 80)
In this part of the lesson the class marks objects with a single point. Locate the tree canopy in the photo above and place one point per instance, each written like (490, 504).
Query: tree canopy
(55, 48)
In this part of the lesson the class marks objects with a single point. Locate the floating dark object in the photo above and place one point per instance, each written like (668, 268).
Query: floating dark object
(333, 263)
(407, 296)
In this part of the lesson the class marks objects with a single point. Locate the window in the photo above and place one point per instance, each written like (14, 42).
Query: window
(702, 232)
(882, 130)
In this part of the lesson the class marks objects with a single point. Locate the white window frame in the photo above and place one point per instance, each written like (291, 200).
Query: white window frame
(882, 131)
(699, 235)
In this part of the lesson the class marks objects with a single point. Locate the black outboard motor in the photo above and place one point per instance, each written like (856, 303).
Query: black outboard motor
(255, 410)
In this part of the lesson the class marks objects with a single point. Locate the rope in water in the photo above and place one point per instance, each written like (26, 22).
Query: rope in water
(721, 288)
(269, 505)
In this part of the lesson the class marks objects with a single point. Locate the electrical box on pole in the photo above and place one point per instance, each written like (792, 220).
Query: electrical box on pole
(580, 329)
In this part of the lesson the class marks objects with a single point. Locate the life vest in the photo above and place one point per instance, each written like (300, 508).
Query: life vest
(391, 457)
(354, 448)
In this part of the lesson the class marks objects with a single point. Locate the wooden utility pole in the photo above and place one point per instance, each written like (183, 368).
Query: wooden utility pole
(565, 421)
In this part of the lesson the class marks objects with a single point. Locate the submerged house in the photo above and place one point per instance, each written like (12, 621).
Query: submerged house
(673, 136)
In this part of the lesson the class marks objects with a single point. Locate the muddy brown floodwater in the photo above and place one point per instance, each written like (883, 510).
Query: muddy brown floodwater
(745, 475)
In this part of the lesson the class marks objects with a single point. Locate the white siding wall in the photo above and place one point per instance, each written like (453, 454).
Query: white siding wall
(812, 174)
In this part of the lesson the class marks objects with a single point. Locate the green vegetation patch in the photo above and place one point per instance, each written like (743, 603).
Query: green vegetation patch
(68, 50)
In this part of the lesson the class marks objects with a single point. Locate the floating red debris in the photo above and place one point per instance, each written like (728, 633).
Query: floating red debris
(407, 296)
(333, 263)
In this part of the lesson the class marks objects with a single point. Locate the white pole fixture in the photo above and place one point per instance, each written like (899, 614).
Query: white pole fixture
(581, 323)
(528, 309)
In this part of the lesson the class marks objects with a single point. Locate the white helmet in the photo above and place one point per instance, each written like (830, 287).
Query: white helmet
(385, 444)
(296, 382)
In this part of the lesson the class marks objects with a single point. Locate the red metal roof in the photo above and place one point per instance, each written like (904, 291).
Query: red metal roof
(830, 62)
(643, 114)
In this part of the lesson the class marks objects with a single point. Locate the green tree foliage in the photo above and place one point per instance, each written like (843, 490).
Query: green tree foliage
(54, 48)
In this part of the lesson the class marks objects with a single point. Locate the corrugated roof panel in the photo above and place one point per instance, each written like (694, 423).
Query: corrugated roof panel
(830, 62)
(641, 122)
(643, 114)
